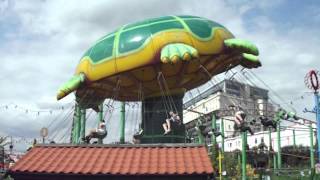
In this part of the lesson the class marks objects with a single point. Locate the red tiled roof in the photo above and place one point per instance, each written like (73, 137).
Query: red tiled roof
(116, 160)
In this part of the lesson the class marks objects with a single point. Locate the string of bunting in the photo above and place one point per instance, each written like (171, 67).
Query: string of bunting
(26, 110)
(25, 140)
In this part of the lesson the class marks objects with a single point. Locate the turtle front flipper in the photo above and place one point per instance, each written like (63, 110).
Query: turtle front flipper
(249, 51)
(172, 53)
(71, 85)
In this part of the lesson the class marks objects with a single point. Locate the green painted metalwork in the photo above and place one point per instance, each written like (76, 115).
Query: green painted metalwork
(279, 147)
(294, 138)
(200, 136)
(100, 113)
(161, 136)
(78, 125)
(83, 124)
(222, 142)
(154, 114)
(75, 125)
(100, 119)
(73, 130)
(213, 138)
(275, 162)
(122, 122)
(244, 155)
(270, 146)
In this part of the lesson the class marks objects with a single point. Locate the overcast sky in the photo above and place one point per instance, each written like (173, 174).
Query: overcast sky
(42, 41)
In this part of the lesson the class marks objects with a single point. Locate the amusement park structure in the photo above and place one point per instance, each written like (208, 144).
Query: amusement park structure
(155, 62)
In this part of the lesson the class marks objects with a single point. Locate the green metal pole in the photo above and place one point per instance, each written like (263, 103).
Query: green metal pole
(75, 125)
(213, 139)
(78, 125)
(274, 161)
(100, 119)
(279, 146)
(100, 113)
(311, 148)
(270, 146)
(222, 143)
(83, 123)
(122, 122)
(200, 136)
(294, 138)
(244, 156)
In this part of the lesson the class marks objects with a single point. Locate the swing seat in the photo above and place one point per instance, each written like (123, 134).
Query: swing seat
(101, 136)
(176, 126)
(137, 136)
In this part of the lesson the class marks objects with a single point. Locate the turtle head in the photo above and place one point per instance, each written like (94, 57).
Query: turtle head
(248, 51)
(71, 85)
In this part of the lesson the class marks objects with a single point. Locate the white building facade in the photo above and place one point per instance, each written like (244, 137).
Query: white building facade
(293, 135)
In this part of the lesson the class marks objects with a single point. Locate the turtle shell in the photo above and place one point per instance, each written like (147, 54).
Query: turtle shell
(132, 37)
(130, 57)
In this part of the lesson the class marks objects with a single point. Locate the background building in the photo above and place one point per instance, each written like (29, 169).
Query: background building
(218, 99)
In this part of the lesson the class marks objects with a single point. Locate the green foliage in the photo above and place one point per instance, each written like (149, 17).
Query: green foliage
(231, 164)
(295, 159)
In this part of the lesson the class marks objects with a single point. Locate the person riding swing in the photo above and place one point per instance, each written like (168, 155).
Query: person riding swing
(174, 118)
(266, 122)
(100, 132)
(240, 122)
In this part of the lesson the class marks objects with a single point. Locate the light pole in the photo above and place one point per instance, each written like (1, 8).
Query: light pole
(312, 82)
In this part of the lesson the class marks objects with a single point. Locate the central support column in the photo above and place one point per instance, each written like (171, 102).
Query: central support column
(154, 113)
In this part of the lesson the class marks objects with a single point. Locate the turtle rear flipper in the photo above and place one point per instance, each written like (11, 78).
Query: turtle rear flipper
(248, 50)
(71, 85)
(172, 53)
